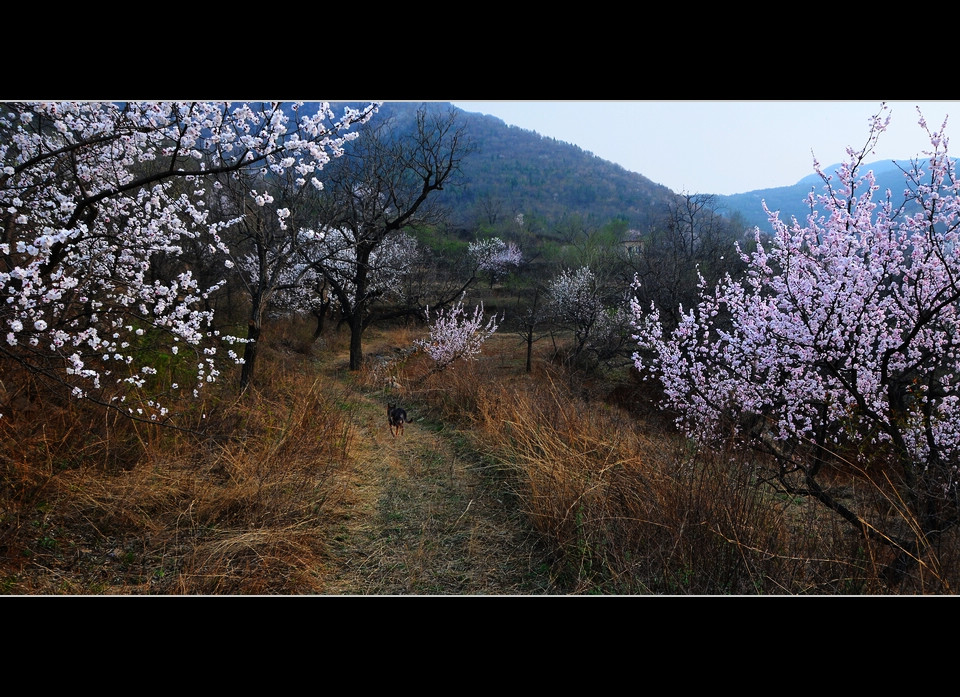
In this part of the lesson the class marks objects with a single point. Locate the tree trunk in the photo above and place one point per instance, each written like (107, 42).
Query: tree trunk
(359, 308)
(250, 354)
(356, 342)
(530, 349)
(254, 327)
(321, 315)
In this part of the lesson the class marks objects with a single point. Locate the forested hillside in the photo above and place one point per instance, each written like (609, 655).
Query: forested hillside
(515, 171)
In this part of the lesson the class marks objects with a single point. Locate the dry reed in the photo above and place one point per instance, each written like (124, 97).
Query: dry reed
(98, 504)
(631, 507)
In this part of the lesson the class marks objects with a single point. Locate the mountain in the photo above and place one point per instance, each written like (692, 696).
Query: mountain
(529, 172)
(513, 170)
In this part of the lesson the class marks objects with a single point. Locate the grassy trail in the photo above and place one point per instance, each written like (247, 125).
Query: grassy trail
(421, 518)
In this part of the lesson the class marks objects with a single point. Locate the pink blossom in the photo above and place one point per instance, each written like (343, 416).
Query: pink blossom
(455, 335)
(845, 329)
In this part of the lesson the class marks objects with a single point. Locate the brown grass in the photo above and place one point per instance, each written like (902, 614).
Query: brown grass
(100, 504)
(295, 487)
(631, 507)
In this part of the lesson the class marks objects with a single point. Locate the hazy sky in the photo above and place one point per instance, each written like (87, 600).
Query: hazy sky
(719, 147)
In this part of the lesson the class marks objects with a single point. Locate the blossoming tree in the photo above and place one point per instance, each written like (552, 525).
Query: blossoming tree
(842, 341)
(385, 185)
(579, 303)
(457, 335)
(328, 271)
(495, 257)
(275, 246)
(97, 203)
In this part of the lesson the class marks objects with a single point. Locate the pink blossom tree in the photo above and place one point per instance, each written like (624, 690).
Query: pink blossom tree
(457, 335)
(841, 341)
(98, 202)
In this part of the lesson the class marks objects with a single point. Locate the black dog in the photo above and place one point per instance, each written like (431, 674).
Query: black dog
(396, 416)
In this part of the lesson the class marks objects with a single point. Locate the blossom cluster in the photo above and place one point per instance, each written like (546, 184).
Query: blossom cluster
(96, 199)
(456, 335)
(845, 327)
(495, 256)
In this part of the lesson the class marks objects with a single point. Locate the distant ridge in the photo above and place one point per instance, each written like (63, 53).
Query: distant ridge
(791, 200)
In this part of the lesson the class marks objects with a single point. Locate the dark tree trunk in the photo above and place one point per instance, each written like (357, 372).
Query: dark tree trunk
(250, 354)
(359, 308)
(530, 349)
(321, 315)
(356, 342)
(254, 328)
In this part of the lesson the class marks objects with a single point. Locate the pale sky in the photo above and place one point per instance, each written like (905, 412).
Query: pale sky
(725, 147)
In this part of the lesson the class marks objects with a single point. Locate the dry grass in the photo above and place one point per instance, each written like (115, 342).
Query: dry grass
(630, 507)
(95, 504)
(507, 482)
(295, 487)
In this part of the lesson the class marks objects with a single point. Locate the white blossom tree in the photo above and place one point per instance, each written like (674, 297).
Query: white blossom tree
(328, 263)
(578, 302)
(387, 264)
(97, 203)
(276, 248)
(843, 341)
(495, 257)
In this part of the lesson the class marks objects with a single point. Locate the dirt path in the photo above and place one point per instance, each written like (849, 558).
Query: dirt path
(424, 520)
